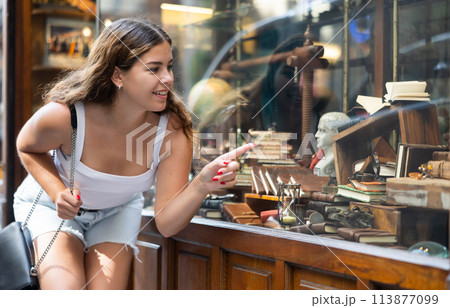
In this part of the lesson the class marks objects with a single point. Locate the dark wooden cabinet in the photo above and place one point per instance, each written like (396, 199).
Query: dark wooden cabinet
(247, 272)
(211, 254)
(192, 266)
(147, 275)
(303, 278)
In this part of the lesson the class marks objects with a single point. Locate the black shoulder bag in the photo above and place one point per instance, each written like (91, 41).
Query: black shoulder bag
(17, 268)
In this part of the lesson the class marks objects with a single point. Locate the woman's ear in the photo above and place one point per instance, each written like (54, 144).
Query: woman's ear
(117, 77)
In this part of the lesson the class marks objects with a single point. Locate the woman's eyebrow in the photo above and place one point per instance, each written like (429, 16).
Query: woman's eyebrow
(157, 62)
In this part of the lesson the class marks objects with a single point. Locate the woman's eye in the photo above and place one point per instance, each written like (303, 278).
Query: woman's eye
(154, 70)
(170, 67)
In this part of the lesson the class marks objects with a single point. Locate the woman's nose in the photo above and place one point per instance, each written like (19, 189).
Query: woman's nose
(167, 77)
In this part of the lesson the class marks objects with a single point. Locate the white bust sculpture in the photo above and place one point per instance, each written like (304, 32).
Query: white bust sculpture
(327, 128)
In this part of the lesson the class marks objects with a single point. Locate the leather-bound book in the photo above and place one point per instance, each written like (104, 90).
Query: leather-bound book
(210, 213)
(320, 196)
(323, 206)
(318, 228)
(369, 235)
(241, 213)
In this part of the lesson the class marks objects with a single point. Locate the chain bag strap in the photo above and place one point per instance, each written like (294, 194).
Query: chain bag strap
(73, 121)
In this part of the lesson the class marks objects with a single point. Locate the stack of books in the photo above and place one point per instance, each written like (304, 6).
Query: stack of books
(369, 186)
(364, 195)
(406, 91)
(244, 176)
(211, 210)
(270, 145)
(212, 206)
(323, 202)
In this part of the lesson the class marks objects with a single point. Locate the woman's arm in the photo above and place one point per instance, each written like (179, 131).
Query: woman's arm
(176, 202)
(48, 129)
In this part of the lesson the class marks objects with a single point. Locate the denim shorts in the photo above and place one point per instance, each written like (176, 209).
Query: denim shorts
(118, 224)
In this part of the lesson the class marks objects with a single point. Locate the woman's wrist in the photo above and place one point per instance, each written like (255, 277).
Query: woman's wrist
(199, 186)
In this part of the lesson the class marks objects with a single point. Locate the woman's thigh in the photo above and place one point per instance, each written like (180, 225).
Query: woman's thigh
(108, 266)
(63, 266)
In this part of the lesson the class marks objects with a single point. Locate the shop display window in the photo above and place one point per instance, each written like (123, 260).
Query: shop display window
(253, 71)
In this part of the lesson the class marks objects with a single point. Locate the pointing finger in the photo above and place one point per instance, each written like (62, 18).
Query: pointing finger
(237, 152)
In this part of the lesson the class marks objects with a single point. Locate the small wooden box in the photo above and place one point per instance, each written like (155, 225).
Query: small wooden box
(429, 193)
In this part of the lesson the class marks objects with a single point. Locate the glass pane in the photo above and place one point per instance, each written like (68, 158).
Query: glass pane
(424, 52)
(253, 67)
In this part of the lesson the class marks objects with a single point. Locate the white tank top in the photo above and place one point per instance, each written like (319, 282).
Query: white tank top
(100, 190)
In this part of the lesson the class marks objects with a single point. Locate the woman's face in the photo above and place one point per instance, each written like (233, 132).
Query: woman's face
(147, 83)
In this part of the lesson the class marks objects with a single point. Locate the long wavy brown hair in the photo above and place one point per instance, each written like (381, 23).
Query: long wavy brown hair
(119, 45)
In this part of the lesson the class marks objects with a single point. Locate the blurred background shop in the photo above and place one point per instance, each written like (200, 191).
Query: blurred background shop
(234, 67)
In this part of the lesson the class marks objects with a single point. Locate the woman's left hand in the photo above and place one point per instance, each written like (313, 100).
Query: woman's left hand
(221, 172)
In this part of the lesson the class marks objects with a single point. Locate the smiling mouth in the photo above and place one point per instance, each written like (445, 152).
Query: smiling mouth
(160, 93)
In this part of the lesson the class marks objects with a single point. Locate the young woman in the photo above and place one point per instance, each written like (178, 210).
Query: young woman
(125, 84)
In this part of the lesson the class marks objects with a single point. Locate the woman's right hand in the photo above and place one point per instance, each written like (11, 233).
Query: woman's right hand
(221, 172)
(68, 204)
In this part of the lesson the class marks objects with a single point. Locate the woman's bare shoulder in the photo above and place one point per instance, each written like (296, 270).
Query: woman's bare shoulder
(53, 114)
(49, 127)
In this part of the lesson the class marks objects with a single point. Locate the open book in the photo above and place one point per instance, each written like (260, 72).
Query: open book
(406, 91)
(371, 104)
